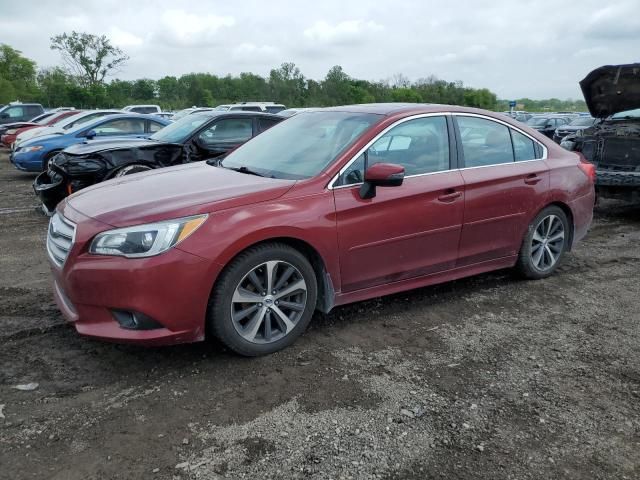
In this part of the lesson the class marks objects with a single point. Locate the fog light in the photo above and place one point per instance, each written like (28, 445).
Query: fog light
(135, 320)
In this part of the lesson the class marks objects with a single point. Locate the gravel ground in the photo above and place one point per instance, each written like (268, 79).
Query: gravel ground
(488, 377)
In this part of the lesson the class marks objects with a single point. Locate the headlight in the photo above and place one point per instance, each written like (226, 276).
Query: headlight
(35, 148)
(145, 240)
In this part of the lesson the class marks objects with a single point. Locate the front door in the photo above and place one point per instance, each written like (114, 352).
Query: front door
(404, 231)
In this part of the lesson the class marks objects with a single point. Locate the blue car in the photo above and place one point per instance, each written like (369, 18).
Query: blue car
(33, 155)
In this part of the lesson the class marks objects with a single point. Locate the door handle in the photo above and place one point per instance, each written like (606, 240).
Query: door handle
(449, 195)
(532, 179)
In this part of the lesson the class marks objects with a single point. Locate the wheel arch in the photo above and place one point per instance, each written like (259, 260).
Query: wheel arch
(326, 291)
(569, 213)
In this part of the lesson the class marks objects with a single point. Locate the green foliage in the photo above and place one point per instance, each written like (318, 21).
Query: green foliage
(90, 59)
(17, 76)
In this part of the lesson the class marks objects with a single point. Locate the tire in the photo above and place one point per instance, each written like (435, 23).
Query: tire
(544, 244)
(129, 169)
(258, 326)
(49, 156)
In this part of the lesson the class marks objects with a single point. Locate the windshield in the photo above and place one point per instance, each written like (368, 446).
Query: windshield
(627, 114)
(182, 113)
(302, 146)
(537, 121)
(582, 122)
(179, 131)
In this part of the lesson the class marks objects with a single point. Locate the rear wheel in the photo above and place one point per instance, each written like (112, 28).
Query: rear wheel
(545, 243)
(264, 300)
(129, 169)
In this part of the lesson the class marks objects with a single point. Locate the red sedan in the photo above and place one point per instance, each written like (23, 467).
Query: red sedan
(10, 135)
(329, 207)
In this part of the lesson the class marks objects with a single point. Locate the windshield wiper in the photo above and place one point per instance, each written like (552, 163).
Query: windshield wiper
(244, 169)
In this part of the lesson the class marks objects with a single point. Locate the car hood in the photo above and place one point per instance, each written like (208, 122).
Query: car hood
(172, 192)
(612, 89)
(93, 146)
(38, 132)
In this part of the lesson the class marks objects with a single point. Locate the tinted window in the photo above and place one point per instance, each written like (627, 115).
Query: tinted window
(265, 123)
(181, 130)
(121, 126)
(523, 146)
(420, 146)
(14, 112)
(249, 109)
(154, 126)
(484, 142)
(229, 130)
(274, 109)
(144, 110)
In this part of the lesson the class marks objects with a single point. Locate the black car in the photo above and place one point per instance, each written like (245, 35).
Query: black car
(579, 123)
(612, 93)
(20, 112)
(200, 136)
(547, 124)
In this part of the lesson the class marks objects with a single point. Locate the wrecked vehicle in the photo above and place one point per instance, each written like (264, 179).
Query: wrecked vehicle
(200, 136)
(612, 93)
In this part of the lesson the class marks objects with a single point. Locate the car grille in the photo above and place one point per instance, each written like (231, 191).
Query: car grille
(60, 237)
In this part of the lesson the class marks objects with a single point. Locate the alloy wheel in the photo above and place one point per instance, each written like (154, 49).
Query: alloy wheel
(547, 243)
(268, 302)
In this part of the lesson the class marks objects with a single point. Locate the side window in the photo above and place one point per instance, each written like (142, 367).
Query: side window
(251, 109)
(420, 146)
(266, 123)
(231, 130)
(15, 112)
(155, 126)
(121, 126)
(33, 111)
(484, 142)
(523, 146)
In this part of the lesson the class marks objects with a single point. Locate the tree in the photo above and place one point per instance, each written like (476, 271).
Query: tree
(54, 84)
(90, 58)
(19, 72)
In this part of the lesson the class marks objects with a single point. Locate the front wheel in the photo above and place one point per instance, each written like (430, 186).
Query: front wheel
(264, 300)
(545, 243)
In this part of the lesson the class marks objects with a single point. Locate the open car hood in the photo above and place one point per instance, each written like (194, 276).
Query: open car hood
(611, 89)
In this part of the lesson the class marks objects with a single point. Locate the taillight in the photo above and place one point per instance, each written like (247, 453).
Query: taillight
(588, 168)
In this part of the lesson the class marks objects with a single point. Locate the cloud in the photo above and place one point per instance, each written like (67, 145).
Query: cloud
(349, 32)
(251, 53)
(188, 29)
(616, 21)
(472, 54)
(124, 39)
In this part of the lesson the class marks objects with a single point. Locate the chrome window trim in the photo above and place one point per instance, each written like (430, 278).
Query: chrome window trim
(332, 186)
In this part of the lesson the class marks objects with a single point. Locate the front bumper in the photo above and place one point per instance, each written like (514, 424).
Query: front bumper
(27, 162)
(50, 188)
(172, 288)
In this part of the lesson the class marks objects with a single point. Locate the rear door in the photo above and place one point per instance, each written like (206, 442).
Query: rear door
(506, 182)
(406, 231)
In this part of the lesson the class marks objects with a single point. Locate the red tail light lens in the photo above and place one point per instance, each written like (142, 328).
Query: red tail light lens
(588, 168)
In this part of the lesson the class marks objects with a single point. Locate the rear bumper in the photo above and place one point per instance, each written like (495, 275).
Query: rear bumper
(582, 209)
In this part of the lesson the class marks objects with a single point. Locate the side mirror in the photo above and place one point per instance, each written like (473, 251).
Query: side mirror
(90, 134)
(381, 175)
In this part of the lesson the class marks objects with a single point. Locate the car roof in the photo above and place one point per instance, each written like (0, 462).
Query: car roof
(237, 113)
(405, 109)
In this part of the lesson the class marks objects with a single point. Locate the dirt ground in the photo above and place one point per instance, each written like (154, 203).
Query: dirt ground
(489, 377)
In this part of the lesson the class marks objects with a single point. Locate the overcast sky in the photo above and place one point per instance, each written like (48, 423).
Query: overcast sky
(516, 48)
